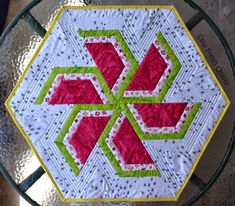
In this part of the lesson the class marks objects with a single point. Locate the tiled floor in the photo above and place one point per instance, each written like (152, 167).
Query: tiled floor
(8, 197)
(222, 192)
(15, 6)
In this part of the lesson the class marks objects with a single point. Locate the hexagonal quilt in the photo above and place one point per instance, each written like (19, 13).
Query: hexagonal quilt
(118, 103)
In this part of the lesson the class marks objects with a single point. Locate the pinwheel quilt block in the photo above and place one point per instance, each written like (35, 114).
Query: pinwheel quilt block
(118, 103)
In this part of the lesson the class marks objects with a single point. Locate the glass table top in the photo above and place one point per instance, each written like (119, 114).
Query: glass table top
(20, 44)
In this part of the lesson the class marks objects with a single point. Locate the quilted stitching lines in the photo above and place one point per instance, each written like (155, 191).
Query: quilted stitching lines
(113, 79)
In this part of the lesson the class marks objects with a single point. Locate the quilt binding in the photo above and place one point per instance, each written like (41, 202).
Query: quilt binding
(57, 16)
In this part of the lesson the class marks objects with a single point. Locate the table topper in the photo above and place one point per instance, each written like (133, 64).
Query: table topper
(118, 103)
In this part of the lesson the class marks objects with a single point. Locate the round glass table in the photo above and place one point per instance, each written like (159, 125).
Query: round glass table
(19, 41)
